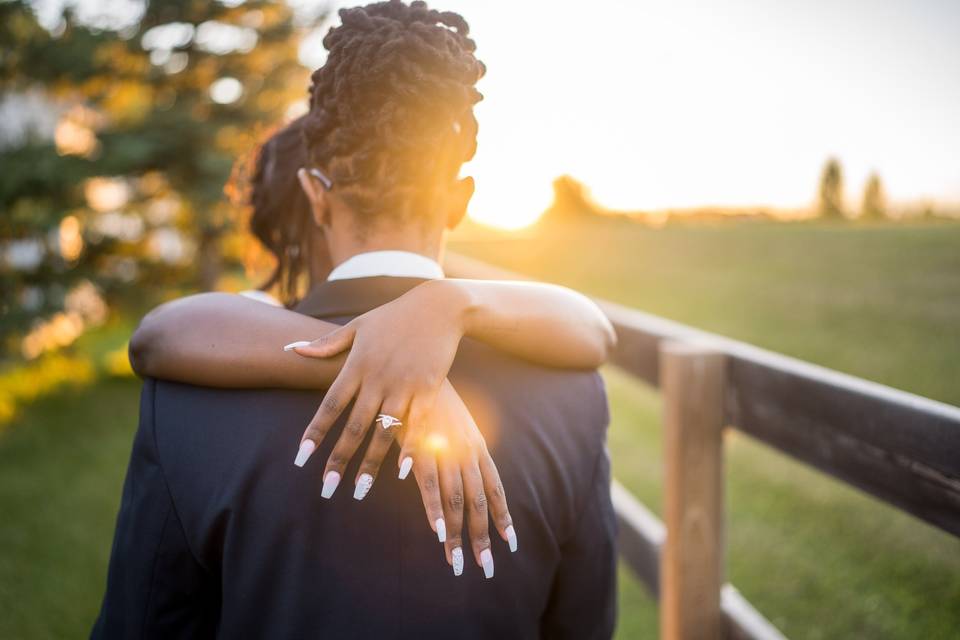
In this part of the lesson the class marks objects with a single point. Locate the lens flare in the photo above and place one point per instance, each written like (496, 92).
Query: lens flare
(436, 442)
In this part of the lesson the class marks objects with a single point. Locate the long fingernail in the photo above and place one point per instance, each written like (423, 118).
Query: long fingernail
(296, 345)
(486, 561)
(457, 555)
(512, 539)
(364, 482)
(405, 465)
(330, 482)
(441, 530)
(307, 447)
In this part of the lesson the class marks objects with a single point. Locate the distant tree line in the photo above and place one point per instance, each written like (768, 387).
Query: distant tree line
(831, 202)
(572, 201)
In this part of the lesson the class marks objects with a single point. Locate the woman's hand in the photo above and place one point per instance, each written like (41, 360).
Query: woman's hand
(455, 472)
(399, 356)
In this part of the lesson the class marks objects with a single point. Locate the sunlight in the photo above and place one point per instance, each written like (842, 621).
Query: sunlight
(661, 108)
(505, 200)
(436, 442)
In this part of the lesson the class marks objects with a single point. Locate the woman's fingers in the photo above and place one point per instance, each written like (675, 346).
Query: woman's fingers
(425, 470)
(405, 459)
(497, 500)
(410, 437)
(337, 341)
(334, 402)
(451, 492)
(412, 434)
(361, 417)
(384, 432)
(476, 503)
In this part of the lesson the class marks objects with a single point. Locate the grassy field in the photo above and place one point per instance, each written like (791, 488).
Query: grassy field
(819, 559)
(880, 302)
(883, 302)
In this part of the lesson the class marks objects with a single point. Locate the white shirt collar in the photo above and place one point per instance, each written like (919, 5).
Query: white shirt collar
(399, 264)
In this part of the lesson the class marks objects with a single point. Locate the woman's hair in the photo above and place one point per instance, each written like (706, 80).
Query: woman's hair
(391, 111)
(281, 218)
(391, 121)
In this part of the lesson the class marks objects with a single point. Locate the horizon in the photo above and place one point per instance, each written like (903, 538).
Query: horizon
(743, 112)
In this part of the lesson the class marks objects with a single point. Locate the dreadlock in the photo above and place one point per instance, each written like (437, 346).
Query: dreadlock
(391, 111)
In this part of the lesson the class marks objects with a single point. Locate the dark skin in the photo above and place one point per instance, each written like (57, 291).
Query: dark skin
(391, 360)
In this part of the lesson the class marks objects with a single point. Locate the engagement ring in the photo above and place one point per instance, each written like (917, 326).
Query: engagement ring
(387, 421)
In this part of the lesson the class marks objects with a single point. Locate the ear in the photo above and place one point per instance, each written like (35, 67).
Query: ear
(460, 196)
(316, 196)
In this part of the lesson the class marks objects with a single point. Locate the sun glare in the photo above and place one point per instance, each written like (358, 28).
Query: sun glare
(436, 442)
(506, 200)
(662, 109)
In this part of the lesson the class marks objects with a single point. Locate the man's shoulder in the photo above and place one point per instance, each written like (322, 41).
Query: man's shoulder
(518, 380)
(171, 398)
(534, 409)
(205, 427)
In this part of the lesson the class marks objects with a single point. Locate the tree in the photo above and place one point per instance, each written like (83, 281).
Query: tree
(874, 199)
(571, 200)
(117, 179)
(830, 204)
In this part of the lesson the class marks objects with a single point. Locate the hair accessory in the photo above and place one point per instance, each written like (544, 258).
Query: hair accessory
(322, 177)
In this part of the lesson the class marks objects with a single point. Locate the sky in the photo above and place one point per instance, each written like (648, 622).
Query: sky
(680, 104)
(737, 103)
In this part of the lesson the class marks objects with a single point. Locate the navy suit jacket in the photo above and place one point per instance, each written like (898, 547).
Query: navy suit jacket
(220, 535)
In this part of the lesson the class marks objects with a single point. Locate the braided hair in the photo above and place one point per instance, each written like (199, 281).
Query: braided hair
(391, 111)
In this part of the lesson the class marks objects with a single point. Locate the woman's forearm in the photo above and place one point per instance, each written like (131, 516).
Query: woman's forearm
(544, 323)
(225, 340)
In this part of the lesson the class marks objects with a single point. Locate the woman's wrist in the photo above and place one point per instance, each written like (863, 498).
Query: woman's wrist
(458, 300)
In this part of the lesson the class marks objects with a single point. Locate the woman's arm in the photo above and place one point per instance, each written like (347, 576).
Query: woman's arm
(398, 358)
(544, 323)
(226, 340)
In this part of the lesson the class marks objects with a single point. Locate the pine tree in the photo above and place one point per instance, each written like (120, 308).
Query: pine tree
(830, 204)
(874, 199)
(116, 176)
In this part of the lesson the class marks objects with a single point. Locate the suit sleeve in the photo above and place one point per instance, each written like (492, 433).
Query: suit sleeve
(583, 602)
(155, 587)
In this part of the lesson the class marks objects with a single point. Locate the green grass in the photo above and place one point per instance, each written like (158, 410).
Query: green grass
(62, 463)
(819, 559)
(881, 302)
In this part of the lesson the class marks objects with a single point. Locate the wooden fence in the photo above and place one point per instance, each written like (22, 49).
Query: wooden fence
(899, 447)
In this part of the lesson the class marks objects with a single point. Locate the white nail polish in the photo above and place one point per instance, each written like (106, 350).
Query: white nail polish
(364, 482)
(330, 482)
(405, 467)
(486, 561)
(457, 555)
(307, 447)
(441, 530)
(512, 539)
(295, 345)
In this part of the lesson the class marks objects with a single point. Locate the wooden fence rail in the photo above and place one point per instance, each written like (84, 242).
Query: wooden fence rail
(896, 446)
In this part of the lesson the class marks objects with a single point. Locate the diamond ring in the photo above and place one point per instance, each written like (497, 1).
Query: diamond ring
(386, 421)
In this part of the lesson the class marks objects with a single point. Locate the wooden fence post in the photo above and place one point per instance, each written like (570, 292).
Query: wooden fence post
(691, 573)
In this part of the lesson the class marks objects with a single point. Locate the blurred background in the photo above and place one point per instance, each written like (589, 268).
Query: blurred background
(787, 174)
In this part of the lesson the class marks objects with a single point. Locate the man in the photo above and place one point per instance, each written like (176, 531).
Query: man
(218, 534)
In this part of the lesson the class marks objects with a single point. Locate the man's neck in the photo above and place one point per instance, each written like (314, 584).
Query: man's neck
(345, 246)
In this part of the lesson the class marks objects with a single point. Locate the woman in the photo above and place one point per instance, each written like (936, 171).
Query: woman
(232, 341)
